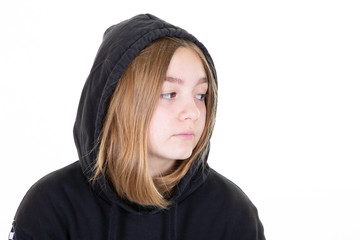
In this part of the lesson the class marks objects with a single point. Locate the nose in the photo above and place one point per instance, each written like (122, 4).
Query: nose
(190, 110)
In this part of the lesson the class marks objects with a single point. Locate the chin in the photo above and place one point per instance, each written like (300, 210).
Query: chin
(184, 155)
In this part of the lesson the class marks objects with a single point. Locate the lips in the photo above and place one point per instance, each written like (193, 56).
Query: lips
(186, 135)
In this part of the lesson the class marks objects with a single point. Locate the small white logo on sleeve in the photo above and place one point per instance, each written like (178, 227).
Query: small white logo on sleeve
(12, 233)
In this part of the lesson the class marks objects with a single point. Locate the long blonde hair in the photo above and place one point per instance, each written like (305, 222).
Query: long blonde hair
(123, 149)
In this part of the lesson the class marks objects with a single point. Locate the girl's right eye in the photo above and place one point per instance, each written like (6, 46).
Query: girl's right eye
(168, 95)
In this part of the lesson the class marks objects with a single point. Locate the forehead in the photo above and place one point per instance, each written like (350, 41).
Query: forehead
(186, 65)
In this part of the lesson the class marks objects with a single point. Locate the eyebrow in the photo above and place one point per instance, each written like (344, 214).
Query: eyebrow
(181, 82)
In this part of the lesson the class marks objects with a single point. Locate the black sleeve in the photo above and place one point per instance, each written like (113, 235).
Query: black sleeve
(40, 214)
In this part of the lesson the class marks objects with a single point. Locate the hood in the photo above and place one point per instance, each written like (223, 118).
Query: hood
(121, 43)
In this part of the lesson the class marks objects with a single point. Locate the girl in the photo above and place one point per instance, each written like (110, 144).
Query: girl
(142, 131)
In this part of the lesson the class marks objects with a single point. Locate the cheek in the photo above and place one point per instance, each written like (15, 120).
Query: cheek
(158, 124)
(153, 127)
(203, 116)
(200, 124)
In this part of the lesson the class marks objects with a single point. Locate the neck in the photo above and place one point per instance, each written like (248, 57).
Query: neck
(160, 167)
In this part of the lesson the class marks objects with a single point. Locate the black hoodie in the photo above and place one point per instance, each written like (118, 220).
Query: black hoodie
(65, 205)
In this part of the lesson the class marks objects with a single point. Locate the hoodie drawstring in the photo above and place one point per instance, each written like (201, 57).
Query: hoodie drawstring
(114, 223)
(173, 222)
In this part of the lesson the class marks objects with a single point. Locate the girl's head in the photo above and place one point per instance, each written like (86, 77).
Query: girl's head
(159, 121)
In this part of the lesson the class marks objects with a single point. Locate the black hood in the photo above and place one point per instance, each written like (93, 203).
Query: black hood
(121, 43)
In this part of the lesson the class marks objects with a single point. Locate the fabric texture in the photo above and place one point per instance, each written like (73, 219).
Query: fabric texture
(65, 205)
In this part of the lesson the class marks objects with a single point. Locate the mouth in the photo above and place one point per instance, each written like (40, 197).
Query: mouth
(187, 135)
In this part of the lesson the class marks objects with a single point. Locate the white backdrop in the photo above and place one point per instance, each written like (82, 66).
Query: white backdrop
(289, 110)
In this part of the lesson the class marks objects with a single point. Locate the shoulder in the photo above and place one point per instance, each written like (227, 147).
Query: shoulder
(220, 193)
(234, 206)
(61, 182)
(223, 188)
(222, 208)
(46, 205)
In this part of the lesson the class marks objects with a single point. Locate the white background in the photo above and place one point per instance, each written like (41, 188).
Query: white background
(289, 100)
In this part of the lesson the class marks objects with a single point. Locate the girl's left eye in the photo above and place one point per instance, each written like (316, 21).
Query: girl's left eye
(168, 95)
(200, 96)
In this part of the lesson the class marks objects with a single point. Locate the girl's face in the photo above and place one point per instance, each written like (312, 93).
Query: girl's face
(179, 118)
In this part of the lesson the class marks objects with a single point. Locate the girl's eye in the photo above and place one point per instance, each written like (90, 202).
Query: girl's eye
(168, 95)
(200, 96)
